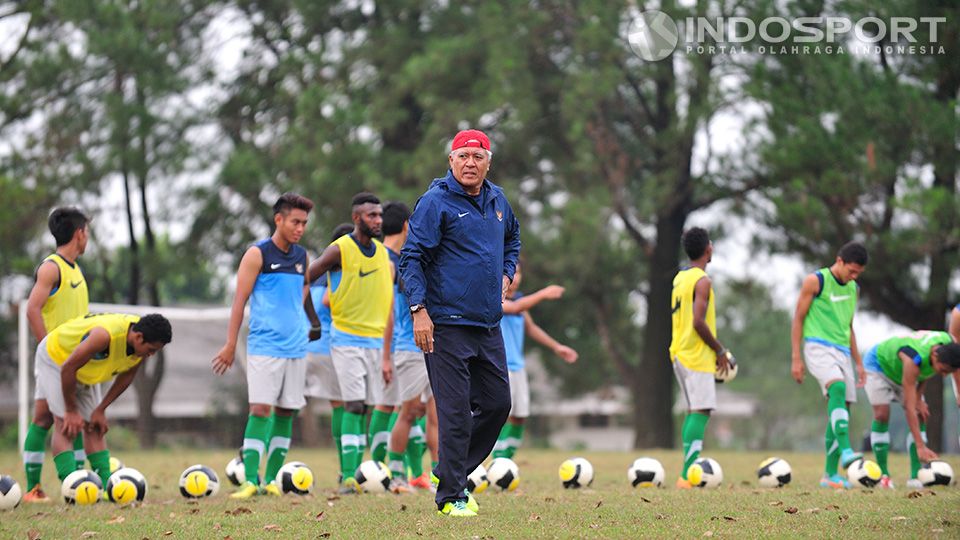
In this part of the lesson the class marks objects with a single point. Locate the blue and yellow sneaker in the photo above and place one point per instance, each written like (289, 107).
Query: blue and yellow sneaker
(247, 490)
(848, 456)
(271, 489)
(456, 508)
(349, 487)
(471, 502)
(835, 482)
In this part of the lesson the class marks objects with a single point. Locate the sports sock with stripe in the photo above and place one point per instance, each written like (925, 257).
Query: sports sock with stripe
(336, 429)
(33, 453)
(515, 439)
(501, 446)
(379, 434)
(100, 463)
(416, 445)
(254, 445)
(65, 463)
(880, 443)
(78, 452)
(912, 448)
(279, 445)
(694, 428)
(838, 414)
(352, 440)
(832, 462)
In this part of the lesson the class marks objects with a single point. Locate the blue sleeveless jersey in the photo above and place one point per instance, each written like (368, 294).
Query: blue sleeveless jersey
(402, 318)
(278, 326)
(511, 326)
(317, 290)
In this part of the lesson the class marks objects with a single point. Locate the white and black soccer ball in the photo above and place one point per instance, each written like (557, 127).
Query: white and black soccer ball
(81, 487)
(705, 473)
(731, 373)
(864, 473)
(576, 473)
(936, 473)
(646, 472)
(504, 474)
(295, 477)
(10, 493)
(373, 476)
(477, 481)
(126, 486)
(774, 472)
(237, 473)
(198, 481)
(115, 464)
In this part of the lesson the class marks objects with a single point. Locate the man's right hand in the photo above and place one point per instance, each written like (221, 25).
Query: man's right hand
(423, 330)
(552, 292)
(926, 455)
(796, 369)
(72, 424)
(223, 360)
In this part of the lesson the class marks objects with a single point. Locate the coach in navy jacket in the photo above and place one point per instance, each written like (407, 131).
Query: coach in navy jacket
(459, 257)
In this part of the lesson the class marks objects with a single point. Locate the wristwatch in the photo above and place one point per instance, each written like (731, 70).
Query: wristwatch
(416, 308)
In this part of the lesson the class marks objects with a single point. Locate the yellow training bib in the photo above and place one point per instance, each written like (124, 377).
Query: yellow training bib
(69, 300)
(105, 365)
(686, 346)
(361, 303)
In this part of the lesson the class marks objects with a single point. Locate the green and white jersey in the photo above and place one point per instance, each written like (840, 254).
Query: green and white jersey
(918, 346)
(831, 312)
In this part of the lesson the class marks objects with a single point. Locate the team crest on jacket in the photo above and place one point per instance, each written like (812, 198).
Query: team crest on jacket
(299, 268)
(499, 215)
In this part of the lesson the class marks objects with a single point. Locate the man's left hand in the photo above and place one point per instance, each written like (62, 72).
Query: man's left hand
(315, 333)
(861, 376)
(923, 410)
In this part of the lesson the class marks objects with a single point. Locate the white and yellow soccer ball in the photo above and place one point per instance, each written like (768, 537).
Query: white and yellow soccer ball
(646, 472)
(10, 493)
(115, 464)
(81, 487)
(477, 481)
(774, 472)
(936, 473)
(576, 473)
(504, 474)
(373, 476)
(864, 473)
(705, 473)
(295, 477)
(198, 481)
(126, 486)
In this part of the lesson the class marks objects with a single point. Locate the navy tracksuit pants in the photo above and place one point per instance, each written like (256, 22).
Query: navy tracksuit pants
(468, 376)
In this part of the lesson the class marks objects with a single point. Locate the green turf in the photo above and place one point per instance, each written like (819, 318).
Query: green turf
(539, 508)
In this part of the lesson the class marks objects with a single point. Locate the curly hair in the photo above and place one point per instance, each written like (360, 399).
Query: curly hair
(155, 328)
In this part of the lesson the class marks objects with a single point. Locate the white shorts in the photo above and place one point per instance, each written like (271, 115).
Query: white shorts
(827, 364)
(410, 372)
(276, 381)
(47, 373)
(519, 393)
(359, 374)
(699, 388)
(881, 390)
(389, 393)
(321, 379)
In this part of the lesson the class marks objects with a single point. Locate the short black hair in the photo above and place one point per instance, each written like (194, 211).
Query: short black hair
(340, 230)
(395, 214)
(695, 242)
(289, 201)
(64, 222)
(949, 354)
(364, 198)
(155, 328)
(853, 252)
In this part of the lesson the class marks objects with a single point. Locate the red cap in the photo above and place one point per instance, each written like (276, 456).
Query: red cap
(470, 137)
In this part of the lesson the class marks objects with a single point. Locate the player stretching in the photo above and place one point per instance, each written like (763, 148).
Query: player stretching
(897, 370)
(696, 353)
(360, 308)
(823, 323)
(272, 275)
(517, 322)
(59, 294)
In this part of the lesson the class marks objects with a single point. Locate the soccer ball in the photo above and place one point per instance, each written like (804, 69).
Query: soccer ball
(504, 474)
(295, 477)
(199, 481)
(646, 472)
(705, 473)
(477, 481)
(864, 473)
(774, 472)
(236, 473)
(126, 485)
(731, 373)
(576, 473)
(81, 487)
(936, 473)
(115, 464)
(373, 476)
(10, 493)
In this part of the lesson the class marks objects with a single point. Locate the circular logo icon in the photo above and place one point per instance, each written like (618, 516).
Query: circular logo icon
(653, 35)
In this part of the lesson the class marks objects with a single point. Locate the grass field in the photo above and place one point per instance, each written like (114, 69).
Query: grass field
(539, 508)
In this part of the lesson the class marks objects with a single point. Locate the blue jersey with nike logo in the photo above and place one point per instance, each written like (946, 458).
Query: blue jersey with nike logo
(511, 326)
(278, 326)
(402, 318)
(317, 290)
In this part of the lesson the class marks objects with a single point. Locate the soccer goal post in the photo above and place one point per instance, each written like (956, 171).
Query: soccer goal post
(184, 392)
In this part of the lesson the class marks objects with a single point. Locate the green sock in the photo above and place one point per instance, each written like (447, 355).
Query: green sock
(100, 463)
(33, 451)
(397, 464)
(832, 463)
(78, 452)
(880, 442)
(694, 428)
(352, 441)
(254, 445)
(501, 447)
(416, 444)
(912, 448)
(66, 464)
(515, 439)
(379, 435)
(279, 445)
(838, 413)
(336, 428)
